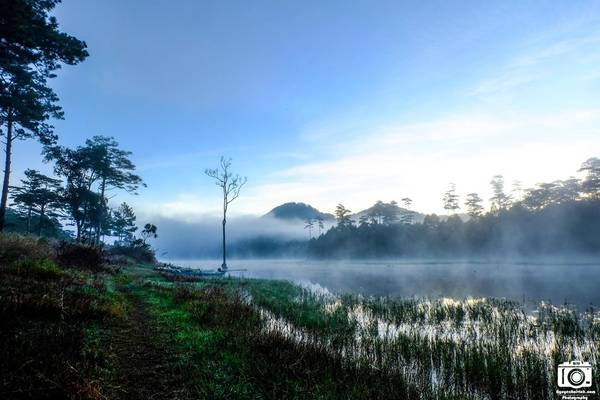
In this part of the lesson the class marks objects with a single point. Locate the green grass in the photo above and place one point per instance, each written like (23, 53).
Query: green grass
(211, 356)
(480, 348)
(54, 326)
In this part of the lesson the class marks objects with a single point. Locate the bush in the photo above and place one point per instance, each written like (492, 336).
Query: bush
(143, 254)
(40, 269)
(202, 311)
(52, 343)
(80, 256)
(15, 248)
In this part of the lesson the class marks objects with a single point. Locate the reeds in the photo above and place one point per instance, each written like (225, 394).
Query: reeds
(395, 348)
(474, 348)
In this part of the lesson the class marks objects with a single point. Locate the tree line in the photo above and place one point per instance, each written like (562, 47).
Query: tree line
(85, 178)
(32, 50)
(560, 216)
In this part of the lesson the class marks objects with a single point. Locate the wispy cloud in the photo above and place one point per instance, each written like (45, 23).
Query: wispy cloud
(505, 81)
(544, 60)
(419, 160)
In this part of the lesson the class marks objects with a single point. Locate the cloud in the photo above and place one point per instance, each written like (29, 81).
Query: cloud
(419, 160)
(506, 81)
(560, 48)
(531, 118)
(186, 206)
(546, 60)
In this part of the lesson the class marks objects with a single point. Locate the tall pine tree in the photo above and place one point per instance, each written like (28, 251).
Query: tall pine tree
(32, 48)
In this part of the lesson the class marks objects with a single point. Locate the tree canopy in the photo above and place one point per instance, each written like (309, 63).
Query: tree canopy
(32, 48)
(89, 172)
(37, 194)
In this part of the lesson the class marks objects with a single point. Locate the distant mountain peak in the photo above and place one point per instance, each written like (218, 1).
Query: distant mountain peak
(393, 207)
(298, 211)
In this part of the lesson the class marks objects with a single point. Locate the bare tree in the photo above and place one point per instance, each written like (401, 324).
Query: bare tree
(230, 184)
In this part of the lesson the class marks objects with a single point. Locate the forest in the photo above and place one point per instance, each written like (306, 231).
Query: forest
(560, 217)
(557, 218)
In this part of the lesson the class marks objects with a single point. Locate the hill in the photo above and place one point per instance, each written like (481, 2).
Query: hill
(381, 209)
(298, 211)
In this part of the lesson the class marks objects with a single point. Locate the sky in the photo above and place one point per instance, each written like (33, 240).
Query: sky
(331, 102)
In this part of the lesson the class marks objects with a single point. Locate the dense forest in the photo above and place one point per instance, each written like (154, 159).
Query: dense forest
(551, 218)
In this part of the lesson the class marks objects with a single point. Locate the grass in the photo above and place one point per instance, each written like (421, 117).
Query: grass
(75, 333)
(52, 331)
(474, 348)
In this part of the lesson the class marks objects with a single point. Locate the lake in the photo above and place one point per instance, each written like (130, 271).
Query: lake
(529, 282)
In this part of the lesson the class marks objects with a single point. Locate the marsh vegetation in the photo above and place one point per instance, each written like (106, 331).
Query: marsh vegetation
(445, 348)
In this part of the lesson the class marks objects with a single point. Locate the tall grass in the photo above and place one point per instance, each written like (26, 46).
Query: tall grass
(447, 348)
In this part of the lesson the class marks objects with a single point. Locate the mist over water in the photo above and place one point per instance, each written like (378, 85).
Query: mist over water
(530, 282)
(202, 238)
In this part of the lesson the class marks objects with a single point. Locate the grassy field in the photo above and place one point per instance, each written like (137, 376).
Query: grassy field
(130, 333)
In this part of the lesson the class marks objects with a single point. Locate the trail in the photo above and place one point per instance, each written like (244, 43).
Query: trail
(145, 369)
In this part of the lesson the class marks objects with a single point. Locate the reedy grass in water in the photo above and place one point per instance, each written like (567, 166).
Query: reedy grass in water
(474, 348)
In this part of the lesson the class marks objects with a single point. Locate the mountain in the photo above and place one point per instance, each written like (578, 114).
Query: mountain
(381, 208)
(298, 211)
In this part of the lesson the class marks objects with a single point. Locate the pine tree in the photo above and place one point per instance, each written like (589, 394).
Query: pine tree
(450, 199)
(37, 194)
(473, 204)
(32, 48)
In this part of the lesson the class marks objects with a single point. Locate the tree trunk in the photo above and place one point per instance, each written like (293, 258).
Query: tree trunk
(102, 210)
(83, 228)
(78, 225)
(29, 220)
(41, 221)
(6, 182)
(224, 265)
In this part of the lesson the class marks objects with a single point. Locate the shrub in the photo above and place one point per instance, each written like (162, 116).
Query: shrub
(80, 256)
(15, 248)
(202, 311)
(143, 254)
(41, 269)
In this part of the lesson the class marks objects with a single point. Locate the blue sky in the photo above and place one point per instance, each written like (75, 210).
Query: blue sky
(328, 102)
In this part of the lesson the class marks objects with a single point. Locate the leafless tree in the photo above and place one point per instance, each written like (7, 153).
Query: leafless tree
(230, 184)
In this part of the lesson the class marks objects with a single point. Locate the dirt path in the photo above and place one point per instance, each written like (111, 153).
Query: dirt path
(145, 369)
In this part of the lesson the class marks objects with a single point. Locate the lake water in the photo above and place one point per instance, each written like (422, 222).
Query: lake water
(557, 282)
